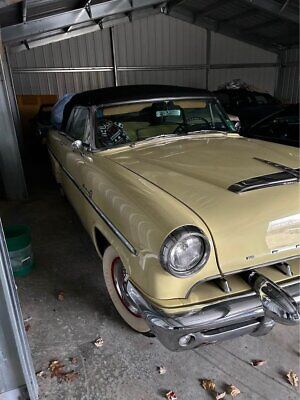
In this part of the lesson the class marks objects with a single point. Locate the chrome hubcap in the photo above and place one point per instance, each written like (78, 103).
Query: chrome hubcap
(120, 278)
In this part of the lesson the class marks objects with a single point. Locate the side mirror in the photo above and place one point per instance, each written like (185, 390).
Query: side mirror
(77, 145)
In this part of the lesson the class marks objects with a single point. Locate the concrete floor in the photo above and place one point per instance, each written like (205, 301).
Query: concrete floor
(126, 366)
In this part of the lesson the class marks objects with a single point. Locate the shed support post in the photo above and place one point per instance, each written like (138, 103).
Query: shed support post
(11, 170)
(278, 86)
(113, 55)
(208, 53)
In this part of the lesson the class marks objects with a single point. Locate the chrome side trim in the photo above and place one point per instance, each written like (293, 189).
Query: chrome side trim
(101, 214)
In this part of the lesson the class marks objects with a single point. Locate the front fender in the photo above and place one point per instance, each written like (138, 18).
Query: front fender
(145, 215)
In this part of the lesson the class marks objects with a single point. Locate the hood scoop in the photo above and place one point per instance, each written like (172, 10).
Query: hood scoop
(285, 177)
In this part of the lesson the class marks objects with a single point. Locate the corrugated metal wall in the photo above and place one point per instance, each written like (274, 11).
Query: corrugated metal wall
(225, 50)
(161, 41)
(87, 50)
(288, 83)
(156, 41)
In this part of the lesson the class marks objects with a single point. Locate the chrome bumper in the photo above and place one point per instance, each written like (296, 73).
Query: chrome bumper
(254, 313)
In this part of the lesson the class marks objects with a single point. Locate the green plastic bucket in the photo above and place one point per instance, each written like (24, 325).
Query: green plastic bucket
(19, 247)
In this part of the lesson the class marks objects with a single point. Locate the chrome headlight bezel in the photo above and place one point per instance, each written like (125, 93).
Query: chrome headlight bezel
(172, 239)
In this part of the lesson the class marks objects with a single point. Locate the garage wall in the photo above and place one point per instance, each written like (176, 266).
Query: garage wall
(83, 51)
(156, 49)
(225, 50)
(288, 83)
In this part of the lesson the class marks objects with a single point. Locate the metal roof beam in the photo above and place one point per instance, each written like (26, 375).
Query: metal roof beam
(87, 6)
(224, 28)
(78, 30)
(211, 7)
(173, 3)
(241, 15)
(274, 7)
(24, 11)
(265, 24)
(18, 32)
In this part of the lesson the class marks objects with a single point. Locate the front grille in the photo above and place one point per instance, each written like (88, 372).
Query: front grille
(234, 283)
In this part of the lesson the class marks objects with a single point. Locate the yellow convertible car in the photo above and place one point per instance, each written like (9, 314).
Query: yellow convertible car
(198, 228)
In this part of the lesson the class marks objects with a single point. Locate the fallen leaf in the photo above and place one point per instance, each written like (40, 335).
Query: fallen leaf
(61, 296)
(220, 396)
(41, 374)
(99, 342)
(208, 384)
(171, 395)
(27, 326)
(258, 363)
(161, 370)
(74, 360)
(56, 368)
(293, 379)
(70, 376)
(233, 390)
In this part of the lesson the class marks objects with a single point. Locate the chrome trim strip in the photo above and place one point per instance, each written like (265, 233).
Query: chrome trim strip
(101, 214)
(287, 176)
(291, 171)
(264, 181)
(238, 271)
(205, 96)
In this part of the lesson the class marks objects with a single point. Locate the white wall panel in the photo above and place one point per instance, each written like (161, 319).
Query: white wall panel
(160, 40)
(225, 50)
(192, 78)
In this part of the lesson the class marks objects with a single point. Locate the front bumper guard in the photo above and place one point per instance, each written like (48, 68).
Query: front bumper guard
(254, 313)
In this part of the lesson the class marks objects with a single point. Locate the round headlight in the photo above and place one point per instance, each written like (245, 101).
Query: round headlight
(185, 251)
(237, 126)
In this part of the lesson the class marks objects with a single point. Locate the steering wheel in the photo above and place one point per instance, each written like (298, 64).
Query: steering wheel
(182, 129)
(188, 120)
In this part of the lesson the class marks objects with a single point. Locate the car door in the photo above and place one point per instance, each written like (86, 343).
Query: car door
(75, 153)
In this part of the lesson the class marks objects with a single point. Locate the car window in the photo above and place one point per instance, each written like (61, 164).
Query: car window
(261, 99)
(243, 100)
(224, 99)
(121, 124)
(78, 122)
(281, 126)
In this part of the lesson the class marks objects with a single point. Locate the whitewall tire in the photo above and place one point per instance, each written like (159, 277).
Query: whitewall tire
(114, 272)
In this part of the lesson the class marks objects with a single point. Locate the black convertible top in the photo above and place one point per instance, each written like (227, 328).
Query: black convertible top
(120, 94)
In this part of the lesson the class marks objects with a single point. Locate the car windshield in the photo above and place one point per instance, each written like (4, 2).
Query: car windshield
(134, 122)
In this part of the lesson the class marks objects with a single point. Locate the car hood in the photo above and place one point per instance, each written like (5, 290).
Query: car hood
(247, 229)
